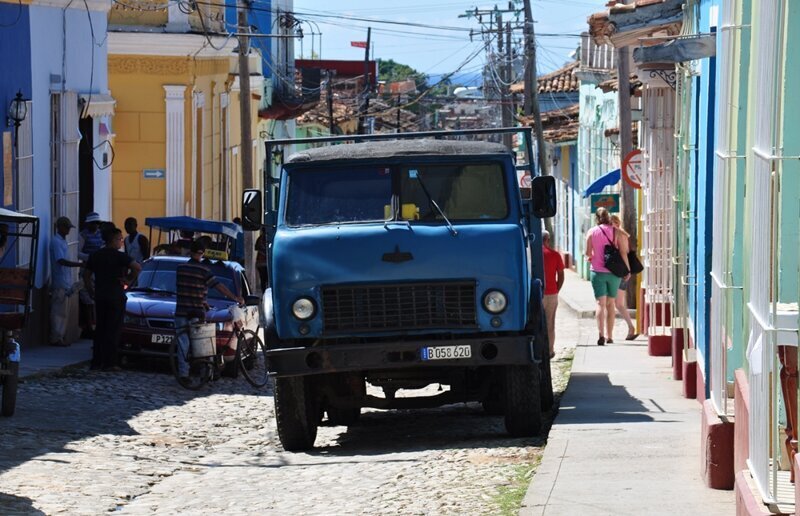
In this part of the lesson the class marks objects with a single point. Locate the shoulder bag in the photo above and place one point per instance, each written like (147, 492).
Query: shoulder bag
(611, 257)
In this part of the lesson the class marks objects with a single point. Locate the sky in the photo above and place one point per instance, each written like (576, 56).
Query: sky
(434, 50)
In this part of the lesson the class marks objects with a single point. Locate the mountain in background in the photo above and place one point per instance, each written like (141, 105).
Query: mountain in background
(461, 79)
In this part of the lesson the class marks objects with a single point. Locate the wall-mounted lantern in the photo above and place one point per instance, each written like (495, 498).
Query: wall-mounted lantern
(17, 110)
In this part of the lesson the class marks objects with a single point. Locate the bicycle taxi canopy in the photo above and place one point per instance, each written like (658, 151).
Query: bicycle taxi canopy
(224, 233)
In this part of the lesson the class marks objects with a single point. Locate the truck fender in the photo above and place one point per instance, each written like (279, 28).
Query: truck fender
(536, 310)
(267, 320)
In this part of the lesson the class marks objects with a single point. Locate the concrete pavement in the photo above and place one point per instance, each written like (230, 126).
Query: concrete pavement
(41, 359)
(625, 441)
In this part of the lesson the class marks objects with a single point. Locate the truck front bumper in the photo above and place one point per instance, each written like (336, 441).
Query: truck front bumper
(338, 358)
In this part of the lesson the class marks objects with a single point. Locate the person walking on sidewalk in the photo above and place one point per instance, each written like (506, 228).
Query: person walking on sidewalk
(110, 268)
(604, 283)
(193, 279)
(621, 301)
(136, 244)
(553, 281)
(60, 281)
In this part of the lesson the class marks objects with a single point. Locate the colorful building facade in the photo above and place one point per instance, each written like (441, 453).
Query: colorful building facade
(177, 129)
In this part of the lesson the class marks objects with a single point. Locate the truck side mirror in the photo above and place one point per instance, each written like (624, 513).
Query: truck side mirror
(252, 210)
(543, 196)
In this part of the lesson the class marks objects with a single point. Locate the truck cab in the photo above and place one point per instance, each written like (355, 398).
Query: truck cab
(400, 264)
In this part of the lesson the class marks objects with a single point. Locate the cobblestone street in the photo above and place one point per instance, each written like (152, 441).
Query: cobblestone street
(134, 442)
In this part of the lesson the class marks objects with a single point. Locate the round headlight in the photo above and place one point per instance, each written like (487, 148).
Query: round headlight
(303, 308)
(495, 301)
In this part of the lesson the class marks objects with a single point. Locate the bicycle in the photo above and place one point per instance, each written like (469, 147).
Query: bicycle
(250, 357)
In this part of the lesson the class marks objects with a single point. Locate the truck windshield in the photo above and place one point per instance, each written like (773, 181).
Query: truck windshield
(463, 192)
(338, 195)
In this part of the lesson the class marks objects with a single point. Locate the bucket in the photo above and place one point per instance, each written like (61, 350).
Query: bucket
(203, 338)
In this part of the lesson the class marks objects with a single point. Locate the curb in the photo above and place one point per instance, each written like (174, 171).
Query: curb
(581, 311)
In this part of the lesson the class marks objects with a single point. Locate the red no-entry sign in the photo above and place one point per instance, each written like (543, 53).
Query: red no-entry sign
(633, 168)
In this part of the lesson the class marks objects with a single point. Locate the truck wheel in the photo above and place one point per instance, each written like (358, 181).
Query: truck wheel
(546, 383)
(10, 390)
(523, 403)
(297, 412)
(493, 403)
(343, 416)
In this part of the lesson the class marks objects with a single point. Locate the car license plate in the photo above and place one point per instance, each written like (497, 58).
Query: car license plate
(161, 339)
(446, 352)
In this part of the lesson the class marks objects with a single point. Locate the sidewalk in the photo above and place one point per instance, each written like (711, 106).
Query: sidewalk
(42, 359)
(577, 295)
(625, 441)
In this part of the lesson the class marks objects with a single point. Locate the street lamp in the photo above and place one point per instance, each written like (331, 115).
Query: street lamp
(17, 110)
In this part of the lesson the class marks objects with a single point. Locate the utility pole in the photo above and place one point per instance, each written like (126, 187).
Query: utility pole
(246, 150)
(629, 218)
(508, 104)
(329, 99)
(532, 100)
(363, 106)
(398, 114)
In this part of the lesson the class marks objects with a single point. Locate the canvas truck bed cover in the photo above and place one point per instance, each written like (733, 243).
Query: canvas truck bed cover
(397, 148)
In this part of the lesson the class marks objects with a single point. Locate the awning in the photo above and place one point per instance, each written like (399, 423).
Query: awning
(97, 104)
(609, 179)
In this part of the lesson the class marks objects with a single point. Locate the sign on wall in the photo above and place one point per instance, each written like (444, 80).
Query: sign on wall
(154, 173)
(607, 201)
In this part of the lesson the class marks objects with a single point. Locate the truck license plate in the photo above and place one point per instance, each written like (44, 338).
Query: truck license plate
(446, 352)
(161, 339)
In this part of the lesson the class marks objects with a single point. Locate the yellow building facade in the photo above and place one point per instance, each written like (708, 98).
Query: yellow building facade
(177, 132)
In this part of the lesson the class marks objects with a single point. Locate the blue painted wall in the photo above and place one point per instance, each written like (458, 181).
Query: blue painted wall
(15, 76)
(702, 168)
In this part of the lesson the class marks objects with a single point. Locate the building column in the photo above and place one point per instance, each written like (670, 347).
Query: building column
(175, 149)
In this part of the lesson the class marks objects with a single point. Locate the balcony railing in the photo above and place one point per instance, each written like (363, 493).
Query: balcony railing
(597, 57)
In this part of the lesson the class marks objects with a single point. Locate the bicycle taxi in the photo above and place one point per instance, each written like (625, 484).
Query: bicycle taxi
(19, 239)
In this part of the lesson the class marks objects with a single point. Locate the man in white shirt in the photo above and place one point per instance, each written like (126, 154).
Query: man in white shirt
(60, 281)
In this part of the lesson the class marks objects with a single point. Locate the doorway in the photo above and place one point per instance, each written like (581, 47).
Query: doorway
(86, 168)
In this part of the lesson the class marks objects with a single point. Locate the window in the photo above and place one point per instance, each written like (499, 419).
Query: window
(462, 192)
(24, 181)
(365, 194)
(340, 195)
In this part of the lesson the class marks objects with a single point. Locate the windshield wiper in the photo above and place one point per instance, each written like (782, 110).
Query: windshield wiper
(436, 206)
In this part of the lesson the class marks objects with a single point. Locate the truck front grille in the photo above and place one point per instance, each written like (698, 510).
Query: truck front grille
(399, 306)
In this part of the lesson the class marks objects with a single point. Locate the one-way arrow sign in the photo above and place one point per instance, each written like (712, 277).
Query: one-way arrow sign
(154, 173)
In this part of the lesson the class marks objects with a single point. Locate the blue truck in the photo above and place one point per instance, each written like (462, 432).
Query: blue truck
(398, 262)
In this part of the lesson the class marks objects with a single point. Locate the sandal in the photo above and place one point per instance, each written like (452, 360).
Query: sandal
(609, 341)
(632, 336)
(601, 341)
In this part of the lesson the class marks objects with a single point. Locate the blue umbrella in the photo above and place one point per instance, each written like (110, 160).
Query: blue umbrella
(609, 179)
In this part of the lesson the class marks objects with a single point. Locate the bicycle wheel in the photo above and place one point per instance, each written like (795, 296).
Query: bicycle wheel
(200, 369)
(251, 355)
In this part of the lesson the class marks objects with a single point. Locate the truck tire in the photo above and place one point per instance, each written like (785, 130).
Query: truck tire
(9, 382)
(546, 383)
(493, 402)
(297, 412)
(523, 402)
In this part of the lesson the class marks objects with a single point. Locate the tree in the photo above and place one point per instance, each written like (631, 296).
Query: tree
(392, 71)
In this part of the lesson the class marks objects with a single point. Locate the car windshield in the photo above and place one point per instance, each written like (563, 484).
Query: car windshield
(160, 276)
(336, 195)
